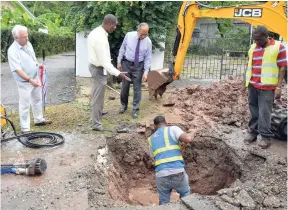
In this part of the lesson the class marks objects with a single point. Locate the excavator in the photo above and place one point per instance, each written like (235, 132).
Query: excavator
(271, 14)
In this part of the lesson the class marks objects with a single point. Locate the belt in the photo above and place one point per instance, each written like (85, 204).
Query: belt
(96, 66)
(124, 59)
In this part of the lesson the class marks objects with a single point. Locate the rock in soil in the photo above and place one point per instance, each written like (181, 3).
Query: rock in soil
(226, 206)
(245, 200)
(271, 202)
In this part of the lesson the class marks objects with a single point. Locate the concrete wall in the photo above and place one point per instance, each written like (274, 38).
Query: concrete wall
(82, 56)
(157, 58)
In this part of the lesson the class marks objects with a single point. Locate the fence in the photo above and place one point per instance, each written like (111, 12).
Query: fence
(214, 58)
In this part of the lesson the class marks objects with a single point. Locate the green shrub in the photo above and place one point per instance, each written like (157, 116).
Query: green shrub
(52, 44)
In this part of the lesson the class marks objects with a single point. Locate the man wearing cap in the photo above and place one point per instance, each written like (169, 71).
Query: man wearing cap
(169, 163)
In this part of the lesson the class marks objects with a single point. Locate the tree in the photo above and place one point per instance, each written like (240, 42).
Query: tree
(42, 7)
(10, 18)
(161, 17)
(51, 21)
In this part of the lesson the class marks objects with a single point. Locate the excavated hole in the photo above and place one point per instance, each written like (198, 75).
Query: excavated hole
(209, 164)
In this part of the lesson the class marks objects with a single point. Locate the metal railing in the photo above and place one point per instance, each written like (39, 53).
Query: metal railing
(214, 58)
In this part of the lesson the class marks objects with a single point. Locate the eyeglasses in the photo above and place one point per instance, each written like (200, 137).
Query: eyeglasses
(143, 35)
(23, 37)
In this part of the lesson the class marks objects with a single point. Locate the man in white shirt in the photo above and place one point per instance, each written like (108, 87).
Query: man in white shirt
(24, 67)
(99, 64)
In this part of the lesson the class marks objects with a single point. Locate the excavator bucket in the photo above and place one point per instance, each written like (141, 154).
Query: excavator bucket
(157, 82)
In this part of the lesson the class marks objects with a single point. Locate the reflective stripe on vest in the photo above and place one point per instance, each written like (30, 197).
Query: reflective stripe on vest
(166, 160)
(167, 147)
(269, 68)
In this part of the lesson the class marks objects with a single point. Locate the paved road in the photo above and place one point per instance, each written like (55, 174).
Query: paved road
(60, 74)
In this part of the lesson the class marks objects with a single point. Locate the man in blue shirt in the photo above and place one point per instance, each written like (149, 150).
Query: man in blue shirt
(169, 163)
(24, 67)
(135, 58)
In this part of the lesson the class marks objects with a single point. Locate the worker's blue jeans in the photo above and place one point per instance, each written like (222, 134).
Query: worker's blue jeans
(165, 185)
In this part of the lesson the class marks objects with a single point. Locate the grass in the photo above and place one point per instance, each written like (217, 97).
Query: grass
(65, 117)
(76, 115)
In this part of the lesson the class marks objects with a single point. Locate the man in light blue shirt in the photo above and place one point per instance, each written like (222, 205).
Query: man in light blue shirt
(134, 58)
(24, 67)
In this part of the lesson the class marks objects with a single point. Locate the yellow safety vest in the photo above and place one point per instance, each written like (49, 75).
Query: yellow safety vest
(269, 68)
(164, 151)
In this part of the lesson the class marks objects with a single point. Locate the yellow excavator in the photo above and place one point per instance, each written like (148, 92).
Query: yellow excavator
(271, 14)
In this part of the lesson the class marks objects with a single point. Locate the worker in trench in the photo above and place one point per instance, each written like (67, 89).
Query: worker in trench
(169, 163)
(264, 77)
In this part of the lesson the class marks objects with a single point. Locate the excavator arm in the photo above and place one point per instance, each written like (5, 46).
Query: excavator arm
(271, 15)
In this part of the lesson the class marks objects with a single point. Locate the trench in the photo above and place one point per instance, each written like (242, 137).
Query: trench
(209, 164)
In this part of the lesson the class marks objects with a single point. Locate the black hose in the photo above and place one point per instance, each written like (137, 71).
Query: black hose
(29, 139)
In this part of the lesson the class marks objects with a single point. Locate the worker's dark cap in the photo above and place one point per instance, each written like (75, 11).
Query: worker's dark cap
(261, 30)
(159, 119)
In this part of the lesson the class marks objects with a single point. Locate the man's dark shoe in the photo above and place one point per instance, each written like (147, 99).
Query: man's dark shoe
(100, 129)
(46, 122)
(135, 115)
(104, 113)
(122, 110)
(249, 137)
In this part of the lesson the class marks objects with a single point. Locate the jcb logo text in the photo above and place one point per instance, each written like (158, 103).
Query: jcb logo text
(247, 12)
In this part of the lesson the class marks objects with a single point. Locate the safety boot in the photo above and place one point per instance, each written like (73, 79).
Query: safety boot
(264, 142)
(249, 137)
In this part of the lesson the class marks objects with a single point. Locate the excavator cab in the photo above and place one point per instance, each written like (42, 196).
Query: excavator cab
(271, 14)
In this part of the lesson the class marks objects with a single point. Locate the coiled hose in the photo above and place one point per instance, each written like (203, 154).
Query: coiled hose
(30, 139)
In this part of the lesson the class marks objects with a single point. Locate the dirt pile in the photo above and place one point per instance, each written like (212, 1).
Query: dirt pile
(224, 102)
